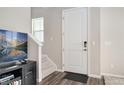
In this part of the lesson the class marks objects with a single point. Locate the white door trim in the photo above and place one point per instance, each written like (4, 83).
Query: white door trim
(63, 38)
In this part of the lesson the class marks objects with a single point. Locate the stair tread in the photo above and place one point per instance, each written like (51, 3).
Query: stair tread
(47, 66)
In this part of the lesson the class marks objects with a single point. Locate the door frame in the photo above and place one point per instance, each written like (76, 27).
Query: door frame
(63, 38)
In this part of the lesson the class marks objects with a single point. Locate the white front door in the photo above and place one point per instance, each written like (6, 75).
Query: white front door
(75, 40)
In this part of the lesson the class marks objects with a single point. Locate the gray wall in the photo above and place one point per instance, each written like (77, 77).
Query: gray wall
(112, 41)
(94, 41)
(53, 29)
(15, 19)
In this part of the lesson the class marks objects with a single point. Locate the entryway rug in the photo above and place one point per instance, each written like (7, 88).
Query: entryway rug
(76, 77)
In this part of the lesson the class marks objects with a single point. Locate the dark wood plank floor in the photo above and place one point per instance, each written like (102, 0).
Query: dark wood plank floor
(56, 78)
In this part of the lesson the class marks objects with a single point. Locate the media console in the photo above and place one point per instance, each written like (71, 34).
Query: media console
(19, 74)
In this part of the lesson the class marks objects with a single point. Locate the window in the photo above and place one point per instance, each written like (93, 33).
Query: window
(38, 28)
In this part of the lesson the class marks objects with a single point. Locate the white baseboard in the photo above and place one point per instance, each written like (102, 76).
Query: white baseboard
(91, 75)
(38, 80)
(60, 70)
(113, 75)
(94, 76)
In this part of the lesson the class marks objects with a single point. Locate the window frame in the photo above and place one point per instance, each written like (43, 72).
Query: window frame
(33, 31)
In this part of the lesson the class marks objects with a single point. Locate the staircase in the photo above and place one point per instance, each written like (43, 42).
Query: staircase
(45, 65)
(48, 66)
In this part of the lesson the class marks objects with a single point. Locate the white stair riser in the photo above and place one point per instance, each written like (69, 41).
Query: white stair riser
(48, 66)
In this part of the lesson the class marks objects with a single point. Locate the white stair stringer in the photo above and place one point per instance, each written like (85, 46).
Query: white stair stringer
(48, 66)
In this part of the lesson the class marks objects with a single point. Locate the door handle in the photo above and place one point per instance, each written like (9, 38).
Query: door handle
(85, 46)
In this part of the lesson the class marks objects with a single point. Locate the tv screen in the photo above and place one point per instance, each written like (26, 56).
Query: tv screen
(13, 46)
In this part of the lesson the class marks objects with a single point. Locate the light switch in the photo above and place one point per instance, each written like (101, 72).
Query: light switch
(93, 43)
(51, 38)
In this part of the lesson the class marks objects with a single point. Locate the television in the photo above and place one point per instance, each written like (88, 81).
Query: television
(13, 46)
